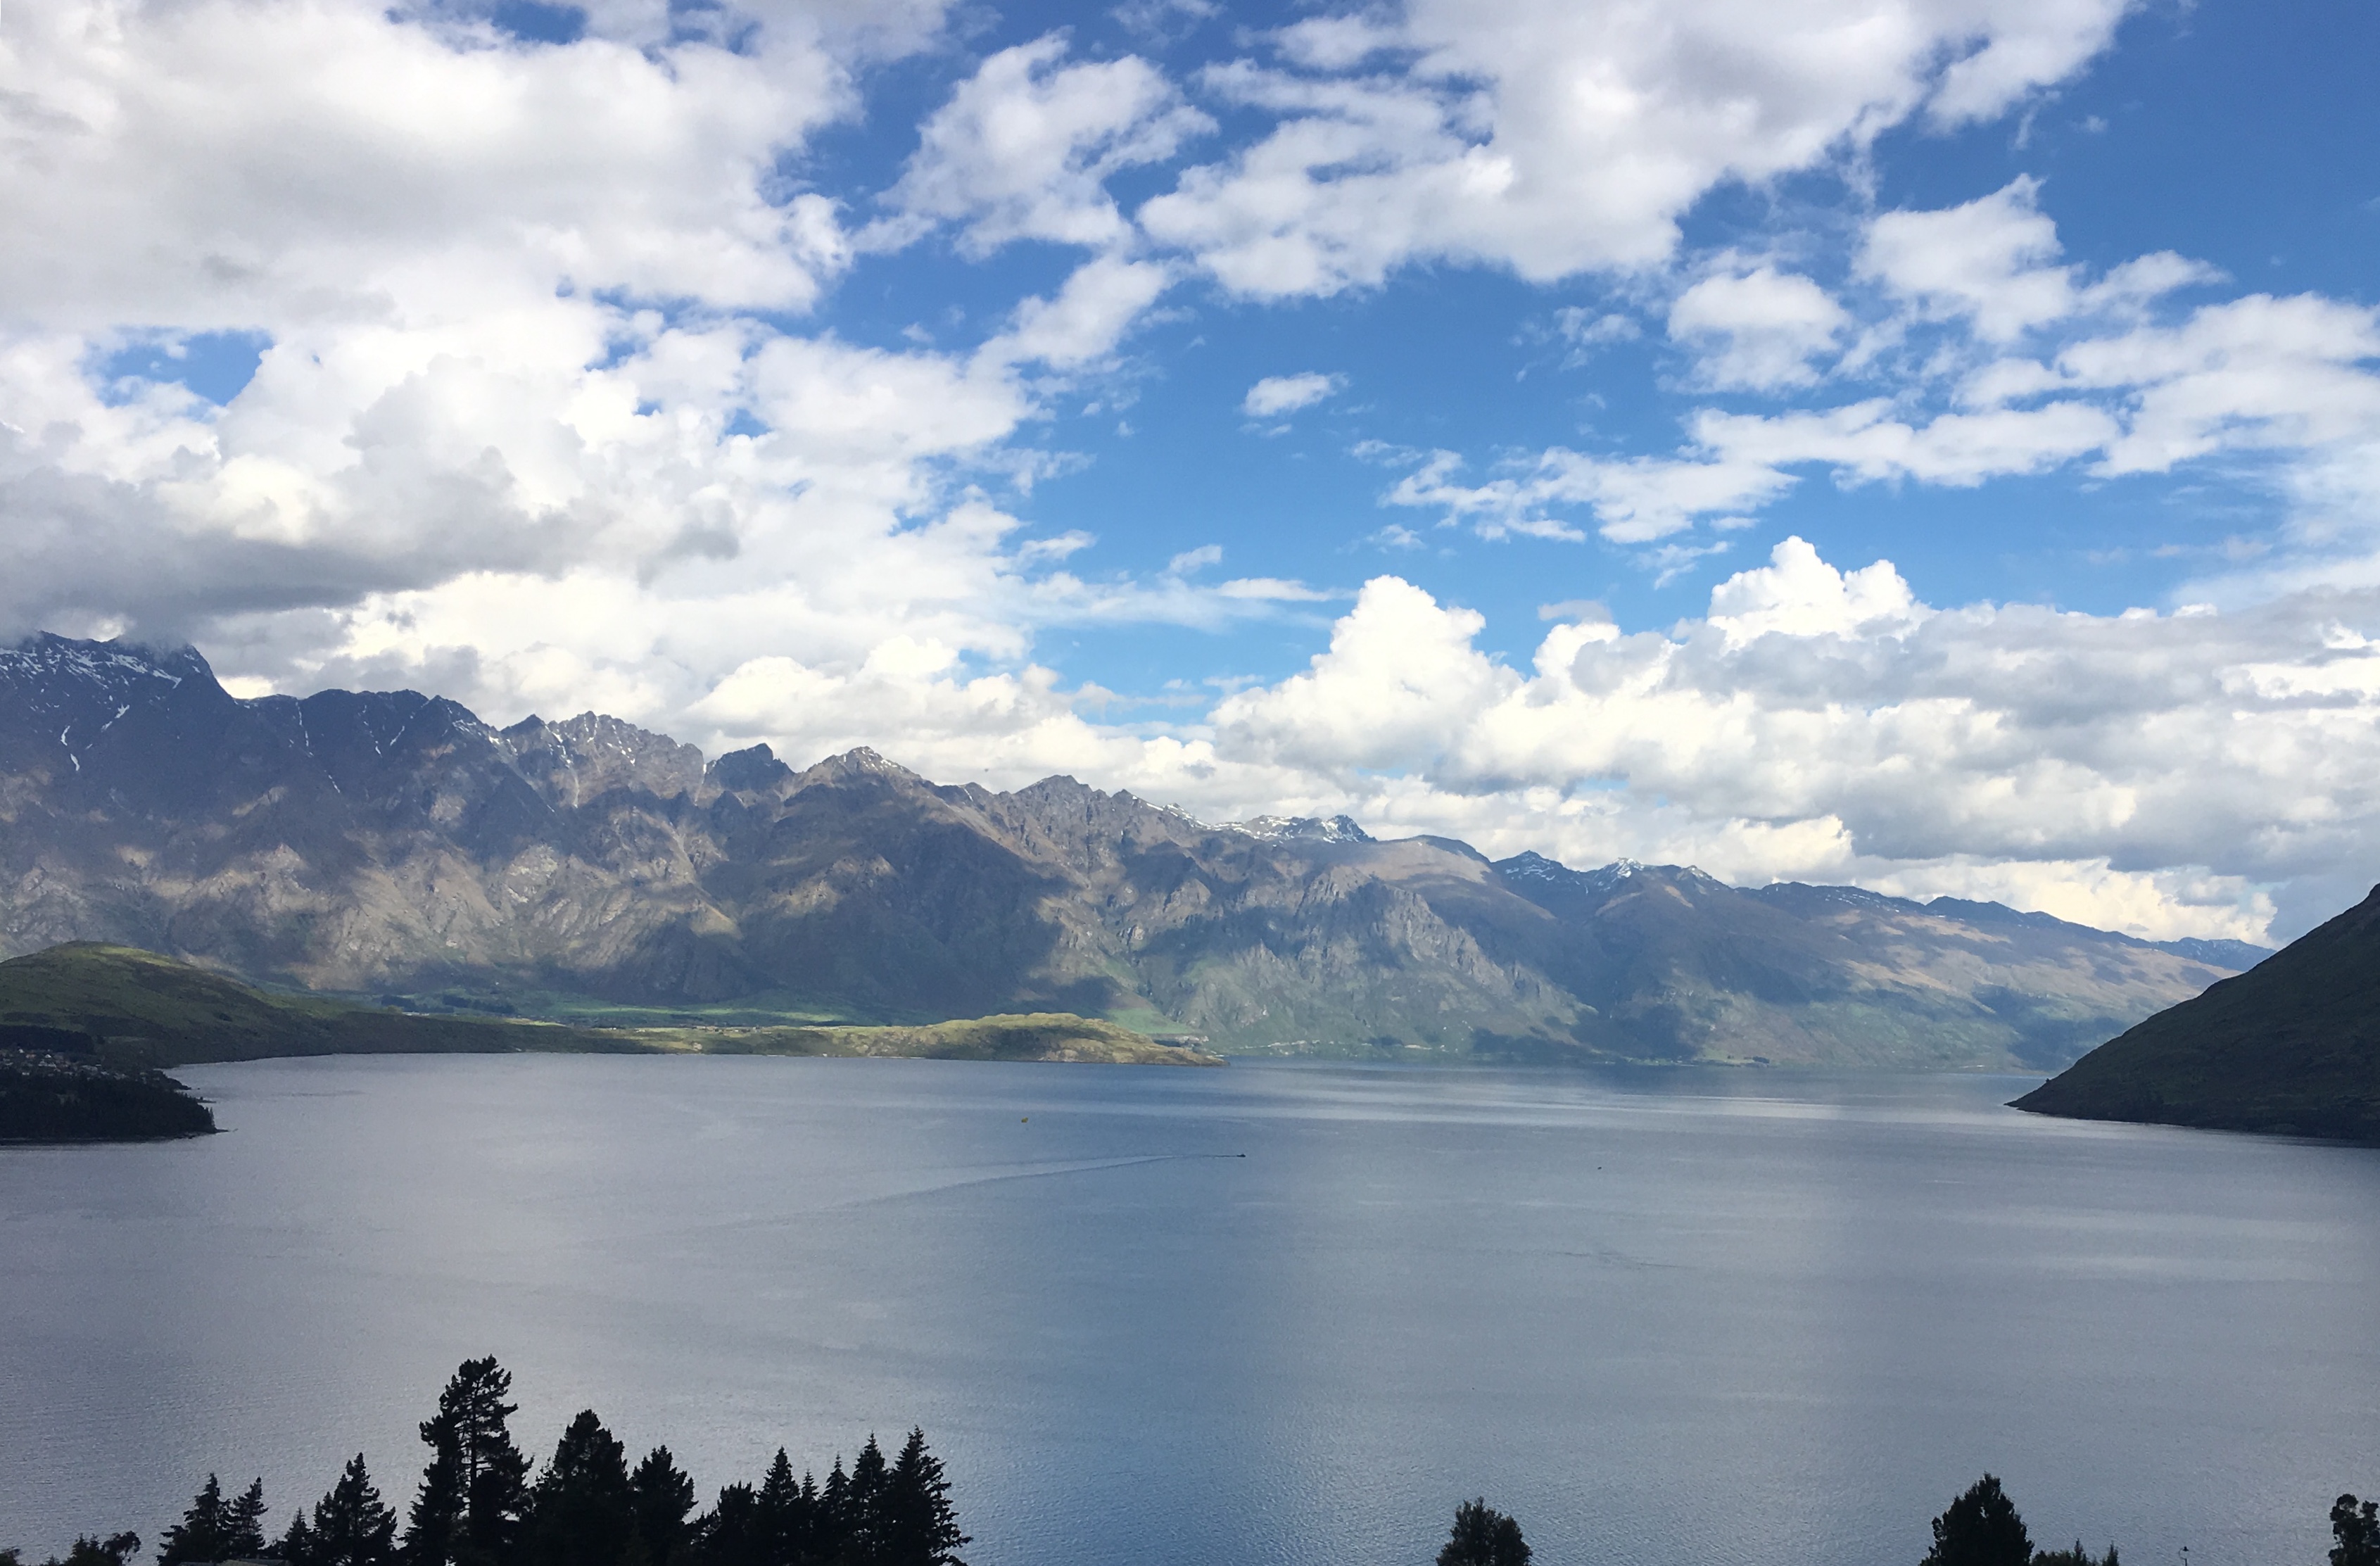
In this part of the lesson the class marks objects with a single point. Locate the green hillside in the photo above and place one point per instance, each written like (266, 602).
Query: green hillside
(1034, 1036)
(145, 1010)
(2292, 1046)
(136, 1010)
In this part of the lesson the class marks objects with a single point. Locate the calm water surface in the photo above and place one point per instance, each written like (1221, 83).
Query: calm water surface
(1277, 1313)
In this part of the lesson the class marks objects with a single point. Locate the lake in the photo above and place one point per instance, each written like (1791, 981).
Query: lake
(1276, 1313)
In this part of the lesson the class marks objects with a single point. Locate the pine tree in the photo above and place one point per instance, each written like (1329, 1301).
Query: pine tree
(660, 1498)
(831, 1520)
(579, 1511)
(1482, 1536)
(244, 1525)
(2355, 1532)
(352, 1526)
(1981, 1528)
(723, 1537)
(781, 1524)
(434, 1529)
(475, 1490)
(920, 1528)
(199, 1534)
(296, 1546)
(863, 1529)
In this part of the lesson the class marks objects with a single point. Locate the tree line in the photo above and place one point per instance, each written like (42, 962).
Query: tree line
(480, 1503)
(1981, 1527)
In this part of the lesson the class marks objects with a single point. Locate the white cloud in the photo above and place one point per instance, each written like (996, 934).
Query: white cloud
(1758, 330)
(1797, 594)
(1553, 138)
(1990, 263)
(267, 163)
(2041, 367)
(1277, 395)
(1863, 442)
(1394, 688)
(1024, 148)
(1101, 302)
(473, 455)
(1635, 500)
(2150, 771)
(1988, 260)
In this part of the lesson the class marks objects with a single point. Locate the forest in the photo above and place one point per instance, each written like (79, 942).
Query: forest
(479, 1504)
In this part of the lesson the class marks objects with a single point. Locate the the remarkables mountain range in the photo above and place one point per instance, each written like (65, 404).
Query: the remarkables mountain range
(389, 843)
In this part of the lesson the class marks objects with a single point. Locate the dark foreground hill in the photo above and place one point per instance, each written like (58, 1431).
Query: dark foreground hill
(391, 846)
(48, 1096)
(132, 1012)
(2292, 1046)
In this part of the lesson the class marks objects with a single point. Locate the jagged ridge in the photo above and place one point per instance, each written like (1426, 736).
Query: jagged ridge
(392, 844)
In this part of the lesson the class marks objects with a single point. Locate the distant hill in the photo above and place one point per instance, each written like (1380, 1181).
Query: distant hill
(132, 1012)
(2291, 1046)
(391, 847)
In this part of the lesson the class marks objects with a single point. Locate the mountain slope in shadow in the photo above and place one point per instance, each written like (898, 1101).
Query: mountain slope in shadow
(2292, 1046)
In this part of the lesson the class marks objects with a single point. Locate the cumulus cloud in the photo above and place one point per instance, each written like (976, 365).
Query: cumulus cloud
(1277, 395)
(1024, 148)
(1819, 722)
(535, 419)
(1552, 137)
(1992, 263)
(1758, 330)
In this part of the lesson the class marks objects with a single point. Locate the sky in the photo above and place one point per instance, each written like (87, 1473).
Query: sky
(1928, 444)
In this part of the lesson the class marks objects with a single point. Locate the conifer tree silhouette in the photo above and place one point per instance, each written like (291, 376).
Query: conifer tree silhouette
(1980, 1528)
(1482, 1536)
(920, 1527)
(580, 1510)
(352, 1525)
(475, 1491)
(200, 1534)
(244, 1523)
(660, 1498)
(2355, 1532)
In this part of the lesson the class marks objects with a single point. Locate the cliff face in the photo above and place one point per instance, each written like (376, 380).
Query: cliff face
(393, 843)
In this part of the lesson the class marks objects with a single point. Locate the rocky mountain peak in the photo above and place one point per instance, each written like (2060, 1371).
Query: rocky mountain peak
(754, 769)
(1300, 828)
(579, 758)
(859, 764)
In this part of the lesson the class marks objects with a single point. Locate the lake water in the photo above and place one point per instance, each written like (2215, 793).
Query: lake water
(1277, 1313)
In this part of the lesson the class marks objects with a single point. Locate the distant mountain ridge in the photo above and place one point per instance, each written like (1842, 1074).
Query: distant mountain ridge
(389, 843)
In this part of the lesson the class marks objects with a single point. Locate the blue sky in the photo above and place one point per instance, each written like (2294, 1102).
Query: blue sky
(1933, 443)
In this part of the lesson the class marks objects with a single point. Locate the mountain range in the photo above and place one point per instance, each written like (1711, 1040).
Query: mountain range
(392, 847)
